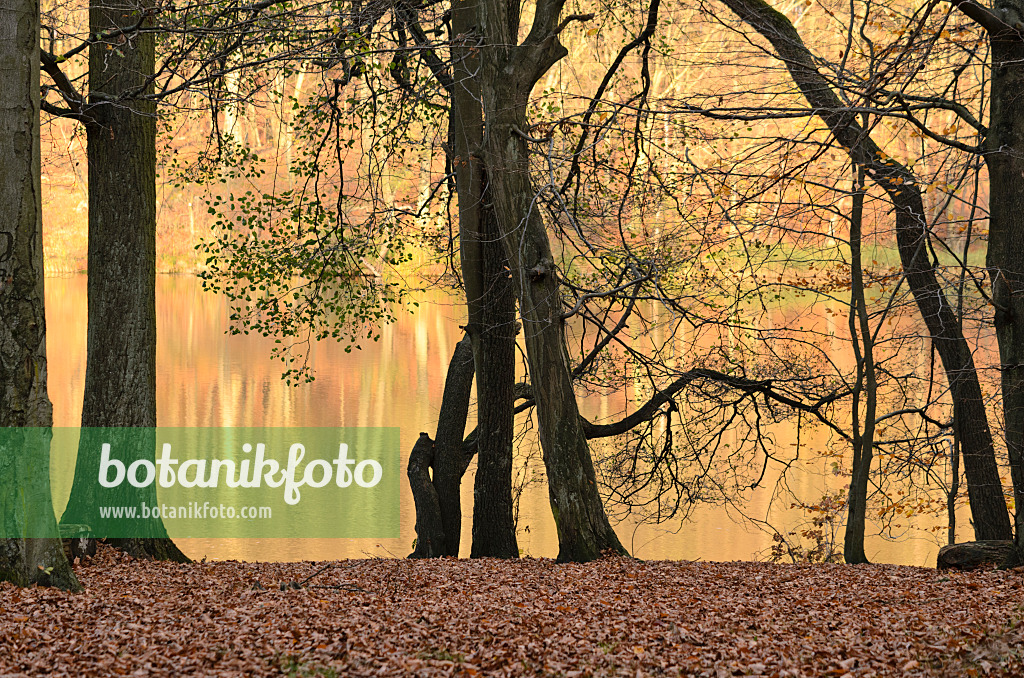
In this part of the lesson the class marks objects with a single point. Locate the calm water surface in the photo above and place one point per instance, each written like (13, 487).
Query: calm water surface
(208, 378)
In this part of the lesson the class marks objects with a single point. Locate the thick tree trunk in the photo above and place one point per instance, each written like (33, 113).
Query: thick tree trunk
(25, 507)
(508, 73)
(984, 488)
(1004, 147)
(489, 299)
(120, 375)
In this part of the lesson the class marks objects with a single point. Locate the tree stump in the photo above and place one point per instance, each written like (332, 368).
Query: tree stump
(429, 531)
(973, 554)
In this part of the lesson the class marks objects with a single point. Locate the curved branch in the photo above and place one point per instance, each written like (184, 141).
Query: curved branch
(762, 386)
(993, 24)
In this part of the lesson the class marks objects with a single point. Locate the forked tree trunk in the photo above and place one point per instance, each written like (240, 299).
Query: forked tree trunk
(120, 375)
(508, 73)
(26, 513)
(437, 497)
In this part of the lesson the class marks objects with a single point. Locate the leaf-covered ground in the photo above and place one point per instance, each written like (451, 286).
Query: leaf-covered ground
(530, 618)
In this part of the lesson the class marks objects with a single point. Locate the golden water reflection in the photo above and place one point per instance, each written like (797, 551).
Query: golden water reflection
(209, 378)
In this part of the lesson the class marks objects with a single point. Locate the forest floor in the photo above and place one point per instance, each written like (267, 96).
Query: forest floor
(526, 618)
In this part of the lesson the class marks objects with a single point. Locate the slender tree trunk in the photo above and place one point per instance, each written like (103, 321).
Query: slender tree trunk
(984, 488)
(508, 72)
(863, 427)
(954, 489)
(120, 375)
(25, 507)
(1004, 147)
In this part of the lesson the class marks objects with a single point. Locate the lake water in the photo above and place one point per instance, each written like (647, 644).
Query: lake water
(206, 377)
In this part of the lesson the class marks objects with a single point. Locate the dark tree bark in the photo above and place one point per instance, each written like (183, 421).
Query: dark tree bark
(489, 299)
(448, 461)
(973, 554)
(984, 488)
(120, 375)
(494, 343)
(1004, 157)
(491, 82)
(25, 507)
(430, 537)
(866, 386)
(508, 73)
(437, 497)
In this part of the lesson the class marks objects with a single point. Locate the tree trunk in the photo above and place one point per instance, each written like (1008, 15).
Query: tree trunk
(448, 462)
(494, 335)
(490, 303)
(508, 73)
(863, 426)
(437, 498)
(1004, 145)
(430, 537)
(26, 514)
(120, 375)
(984, 488)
